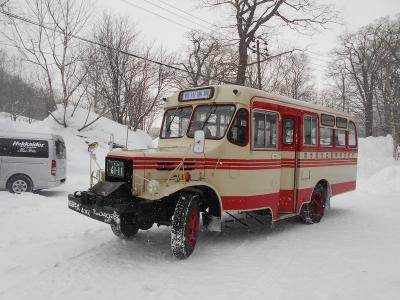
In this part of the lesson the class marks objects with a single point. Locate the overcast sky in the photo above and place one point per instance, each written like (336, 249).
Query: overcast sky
(158, 23)
(355, 13)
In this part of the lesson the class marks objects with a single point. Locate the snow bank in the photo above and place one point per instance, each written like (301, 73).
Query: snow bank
(50, 252)
(377, 168)
(77, 141)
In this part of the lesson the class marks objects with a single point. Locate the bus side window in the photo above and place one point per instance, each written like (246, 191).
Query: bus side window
(238, 134)
(310, 131)
(287, 131)
(326, 137)
(352, 135)
(340, 138)
(265, 126)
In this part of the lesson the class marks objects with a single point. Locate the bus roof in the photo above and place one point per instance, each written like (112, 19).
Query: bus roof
(226, 94)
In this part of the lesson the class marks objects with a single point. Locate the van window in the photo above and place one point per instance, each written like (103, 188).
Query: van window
(265, 130)
(326, 137)
(60, 149)
(310, 131)
(24, 148)
(238, 134)
(352, 135)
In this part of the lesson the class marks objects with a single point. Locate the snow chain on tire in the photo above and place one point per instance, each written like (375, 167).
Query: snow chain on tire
(187, 206)
(307, 215)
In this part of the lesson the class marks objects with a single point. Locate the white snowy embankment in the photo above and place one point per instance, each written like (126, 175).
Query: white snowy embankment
(50, 252)
(77, 141)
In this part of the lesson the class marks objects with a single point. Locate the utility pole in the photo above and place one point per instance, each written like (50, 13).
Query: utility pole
(343, 93)
(258, 64)
(256, 49)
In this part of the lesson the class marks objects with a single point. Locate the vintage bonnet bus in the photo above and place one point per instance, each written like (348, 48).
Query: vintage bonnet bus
(227, 149)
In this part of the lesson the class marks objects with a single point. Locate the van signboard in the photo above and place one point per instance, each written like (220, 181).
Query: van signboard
(24, 148)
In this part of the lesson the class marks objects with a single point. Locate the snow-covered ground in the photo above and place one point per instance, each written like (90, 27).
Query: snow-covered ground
(50, 252)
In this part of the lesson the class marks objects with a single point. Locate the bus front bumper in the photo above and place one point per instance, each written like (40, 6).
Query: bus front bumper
(105, 214)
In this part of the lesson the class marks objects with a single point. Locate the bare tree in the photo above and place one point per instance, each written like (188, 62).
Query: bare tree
(126, 87)
(297, 81)
(149, 83)
(18, 96)
(366, 76)
(254, 17)
(389, 77)
(50, 46)
(360, 54)
(208, 61)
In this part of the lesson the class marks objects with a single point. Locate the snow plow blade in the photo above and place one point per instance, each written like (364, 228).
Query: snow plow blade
(104, 214)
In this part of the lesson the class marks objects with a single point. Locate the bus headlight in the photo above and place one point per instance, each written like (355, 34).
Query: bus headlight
(153, 186)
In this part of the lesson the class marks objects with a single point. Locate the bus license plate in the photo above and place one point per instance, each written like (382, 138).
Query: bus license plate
(115, 168)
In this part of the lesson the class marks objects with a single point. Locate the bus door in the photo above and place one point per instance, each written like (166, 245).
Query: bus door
(289, 157)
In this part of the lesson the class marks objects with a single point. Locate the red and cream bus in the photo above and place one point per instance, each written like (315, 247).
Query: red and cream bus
(227, 149)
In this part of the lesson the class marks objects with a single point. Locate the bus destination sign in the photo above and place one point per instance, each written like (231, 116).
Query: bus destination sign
(193, 95)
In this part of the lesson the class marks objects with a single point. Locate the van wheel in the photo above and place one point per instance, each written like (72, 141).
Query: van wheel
(185, 226)
(124, 230)
(314, 211)
(19, 184)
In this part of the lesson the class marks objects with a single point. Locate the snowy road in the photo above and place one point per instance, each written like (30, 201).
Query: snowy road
(49, 252)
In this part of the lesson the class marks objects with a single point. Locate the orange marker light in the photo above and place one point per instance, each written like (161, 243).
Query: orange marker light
(185, 176)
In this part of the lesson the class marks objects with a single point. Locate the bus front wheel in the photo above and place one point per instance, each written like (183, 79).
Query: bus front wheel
(185, 226)
(313, 211)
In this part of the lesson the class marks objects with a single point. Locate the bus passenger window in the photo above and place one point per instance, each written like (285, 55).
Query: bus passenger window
(265, 130)
(340, 137)
(326, 137)
(310, 131)
(238, 134)
(352, 135)
(288, 131)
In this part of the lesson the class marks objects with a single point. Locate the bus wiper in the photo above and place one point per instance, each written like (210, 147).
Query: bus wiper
(173, 117)
(208, 116)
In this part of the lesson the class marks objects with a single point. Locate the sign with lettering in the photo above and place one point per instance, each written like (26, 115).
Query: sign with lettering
(199, 94)
(24, 148)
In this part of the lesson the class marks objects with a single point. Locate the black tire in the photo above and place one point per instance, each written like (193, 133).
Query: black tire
(185, 226)
(314, 211)
(125, 230)
(19, 184)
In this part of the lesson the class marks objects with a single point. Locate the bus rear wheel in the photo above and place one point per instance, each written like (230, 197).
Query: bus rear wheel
(314, 211)
(185, 226)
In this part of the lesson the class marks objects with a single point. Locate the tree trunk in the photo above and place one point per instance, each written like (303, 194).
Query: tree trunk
(241, 70)
(369, 118)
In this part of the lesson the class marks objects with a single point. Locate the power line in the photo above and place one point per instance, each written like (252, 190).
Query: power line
(156, 14)
(174, 13)
(23, 19)
(187, 13)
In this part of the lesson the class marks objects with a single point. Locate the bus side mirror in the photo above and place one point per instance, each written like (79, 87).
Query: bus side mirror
(199, 140)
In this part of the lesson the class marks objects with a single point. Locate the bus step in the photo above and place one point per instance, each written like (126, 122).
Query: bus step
(248, 220)
(286, 215)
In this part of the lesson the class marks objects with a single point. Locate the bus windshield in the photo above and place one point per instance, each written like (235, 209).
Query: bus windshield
(176, 121)
(213, 119)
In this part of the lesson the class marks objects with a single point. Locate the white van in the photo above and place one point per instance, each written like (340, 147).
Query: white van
(31, 162)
